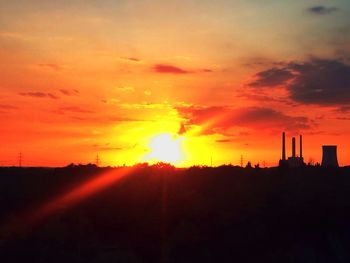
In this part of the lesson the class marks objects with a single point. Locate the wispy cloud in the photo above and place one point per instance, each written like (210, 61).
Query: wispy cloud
(51, 66)
(39, 95)
(322, 10)
(220, 119)
(131, 59)
(169, 69)
(8, 107)
(74, 109)
(125, 89)
(69, 92)
(5, 108)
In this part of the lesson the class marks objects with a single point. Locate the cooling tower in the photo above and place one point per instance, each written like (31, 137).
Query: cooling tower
(329, 156)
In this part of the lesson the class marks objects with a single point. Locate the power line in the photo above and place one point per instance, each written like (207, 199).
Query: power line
(20, 158)
(97, 161)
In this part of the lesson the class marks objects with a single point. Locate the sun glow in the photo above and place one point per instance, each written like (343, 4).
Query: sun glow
(166, 148)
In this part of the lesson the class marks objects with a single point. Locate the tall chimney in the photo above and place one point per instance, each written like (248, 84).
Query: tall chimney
(301, 146)
(293, 147)
(283, 146)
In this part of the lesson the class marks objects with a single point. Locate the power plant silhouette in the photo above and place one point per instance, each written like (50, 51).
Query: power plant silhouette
(329, 154)
(294, 160)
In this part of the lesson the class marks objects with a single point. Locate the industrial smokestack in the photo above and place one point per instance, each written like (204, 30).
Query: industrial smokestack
(329, 156)
(283, 146)
(293, 147)
(301, 146)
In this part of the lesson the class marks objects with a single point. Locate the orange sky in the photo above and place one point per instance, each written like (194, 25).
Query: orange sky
(80, 78)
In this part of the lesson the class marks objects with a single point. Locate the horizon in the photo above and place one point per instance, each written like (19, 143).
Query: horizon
(136, 82)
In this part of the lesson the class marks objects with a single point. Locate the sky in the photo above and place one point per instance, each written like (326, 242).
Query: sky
(222, 79)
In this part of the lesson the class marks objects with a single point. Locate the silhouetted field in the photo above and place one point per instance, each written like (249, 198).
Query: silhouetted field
(163, 214)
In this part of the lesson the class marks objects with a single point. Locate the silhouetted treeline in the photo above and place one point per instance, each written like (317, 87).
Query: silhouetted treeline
(163, 214)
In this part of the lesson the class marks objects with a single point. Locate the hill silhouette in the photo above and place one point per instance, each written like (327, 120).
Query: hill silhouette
(163, 214)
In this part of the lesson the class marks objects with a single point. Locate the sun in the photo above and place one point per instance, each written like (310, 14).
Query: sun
(166, 148)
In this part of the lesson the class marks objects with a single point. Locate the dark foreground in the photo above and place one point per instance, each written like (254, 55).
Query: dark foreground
(156, 214)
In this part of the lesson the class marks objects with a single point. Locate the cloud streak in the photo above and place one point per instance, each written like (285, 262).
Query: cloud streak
(131, 59)
(74, 109)
(8, 107)
(69, 92)
(55, 67)
(39, 95)
(220, 119)
(322, 10)
(169, 69)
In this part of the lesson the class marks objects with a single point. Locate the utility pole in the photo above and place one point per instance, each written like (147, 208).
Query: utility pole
(20, 157)
(97, 162)
(242, 160)
(211, 161)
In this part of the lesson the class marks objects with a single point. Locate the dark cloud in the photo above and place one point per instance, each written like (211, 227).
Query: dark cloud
(322, 10)
(272, 77)
(265, 98)
(169, 69)
(39, 95)
(69, 92)
(319, 81)
(221, 119)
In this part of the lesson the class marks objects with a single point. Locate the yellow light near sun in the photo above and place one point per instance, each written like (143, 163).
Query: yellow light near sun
(165, 148)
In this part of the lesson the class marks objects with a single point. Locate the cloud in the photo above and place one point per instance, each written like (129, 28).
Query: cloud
(110, 101)
(182, 129)
(318, 81)
(147, 92)
(226, 140)
(272, 77)
(263, 97)
(344, 118)
(344, 109)
(125, 119)
(5, 108)
(8, 107)
(125, 89)
(39, 95)
(207, 70)
(221, 119)
(322, 10)
(107, 147)
(74, 109)
(69, 92)
(169, 69)
(131, 59)
(51, 66)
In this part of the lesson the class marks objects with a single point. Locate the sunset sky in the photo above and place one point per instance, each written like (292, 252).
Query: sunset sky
(222, 78)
